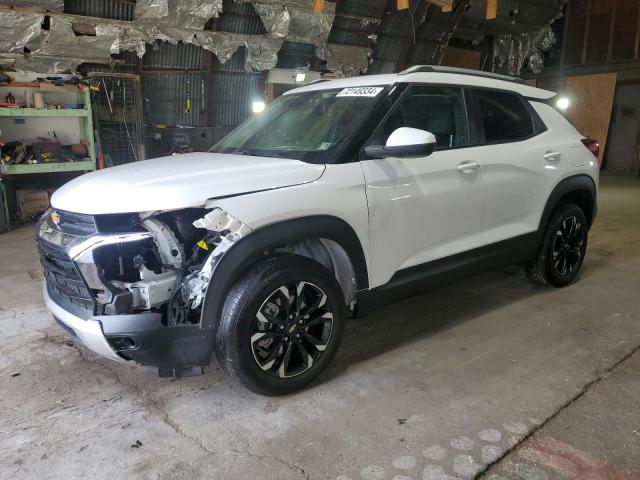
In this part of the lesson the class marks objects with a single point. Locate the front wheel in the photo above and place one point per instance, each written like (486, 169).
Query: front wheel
(563, 248)
(281, 325)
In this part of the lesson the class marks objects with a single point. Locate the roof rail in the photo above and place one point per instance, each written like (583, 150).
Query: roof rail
(460, 71)
(319, 80)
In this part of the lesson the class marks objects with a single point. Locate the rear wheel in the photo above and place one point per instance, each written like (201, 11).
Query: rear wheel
(563, 248)
(281, 325)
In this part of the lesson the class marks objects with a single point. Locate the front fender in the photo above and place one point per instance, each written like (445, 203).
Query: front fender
(250, 248)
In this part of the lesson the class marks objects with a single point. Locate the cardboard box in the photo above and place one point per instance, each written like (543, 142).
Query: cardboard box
(31, 203)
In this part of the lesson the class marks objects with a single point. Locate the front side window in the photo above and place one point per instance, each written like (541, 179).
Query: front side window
(439, 110)
(505, 117)
(312, 126)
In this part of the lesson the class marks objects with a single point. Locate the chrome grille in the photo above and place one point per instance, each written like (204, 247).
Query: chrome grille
(76, 223)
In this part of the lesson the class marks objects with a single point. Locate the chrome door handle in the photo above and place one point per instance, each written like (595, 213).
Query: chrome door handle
(552, 156)
(468, 167)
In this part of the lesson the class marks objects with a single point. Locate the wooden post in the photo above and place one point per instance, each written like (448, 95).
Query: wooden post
(637, 44)
(612, 26)
(402, 4)
(565, 34)
(318, 6)
(492, 9)
(207, 61)
(585, 39)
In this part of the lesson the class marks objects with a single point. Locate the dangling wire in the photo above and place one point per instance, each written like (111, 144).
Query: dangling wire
(413, 26)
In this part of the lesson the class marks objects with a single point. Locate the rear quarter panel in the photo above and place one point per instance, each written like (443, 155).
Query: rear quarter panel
(581, 160)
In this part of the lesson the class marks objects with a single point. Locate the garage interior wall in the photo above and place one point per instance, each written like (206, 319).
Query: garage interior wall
(623, 153)
(591, 99)
(221, 94)
(599, 69)
(590, 112)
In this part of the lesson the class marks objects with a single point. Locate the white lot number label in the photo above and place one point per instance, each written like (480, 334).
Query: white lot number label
(360, 92)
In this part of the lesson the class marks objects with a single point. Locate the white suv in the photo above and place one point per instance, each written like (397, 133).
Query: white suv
(339, 196)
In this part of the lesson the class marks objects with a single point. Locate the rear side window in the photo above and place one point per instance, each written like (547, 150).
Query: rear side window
(504, 116)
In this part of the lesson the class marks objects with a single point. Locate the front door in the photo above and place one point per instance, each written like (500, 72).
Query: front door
(426, 208)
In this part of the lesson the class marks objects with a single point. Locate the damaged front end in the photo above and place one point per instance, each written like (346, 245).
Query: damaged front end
(132, 286)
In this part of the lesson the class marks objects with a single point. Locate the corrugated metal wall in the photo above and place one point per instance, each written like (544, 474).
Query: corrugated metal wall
(165, 98)
(167, 71)
(180, 56)
(231, 95)
(239, 18)
(114, 10)
(231, 89)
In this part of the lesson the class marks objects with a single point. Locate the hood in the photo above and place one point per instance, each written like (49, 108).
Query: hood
(179, 181)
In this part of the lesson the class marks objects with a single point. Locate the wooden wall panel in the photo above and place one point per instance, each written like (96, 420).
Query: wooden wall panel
(599, 31)
(461, 57)
(592, 101)
(576, 31)
(624, 31)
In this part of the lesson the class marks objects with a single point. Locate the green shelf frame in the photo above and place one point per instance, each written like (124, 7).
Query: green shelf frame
(23, 169)
(86, 132)
(44, 112)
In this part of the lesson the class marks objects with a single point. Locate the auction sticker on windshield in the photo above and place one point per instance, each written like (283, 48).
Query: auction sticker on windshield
(360, 92)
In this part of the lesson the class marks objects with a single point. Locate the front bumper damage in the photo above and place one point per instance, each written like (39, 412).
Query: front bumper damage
(88, 331)
(171, 350)
(135, 320)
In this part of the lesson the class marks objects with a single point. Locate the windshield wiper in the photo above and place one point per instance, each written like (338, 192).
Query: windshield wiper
(257, 153)
(248, 151)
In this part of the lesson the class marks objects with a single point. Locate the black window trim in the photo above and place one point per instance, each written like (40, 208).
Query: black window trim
(354, 150)
(475, 131)
(408, 85)
(538, 125)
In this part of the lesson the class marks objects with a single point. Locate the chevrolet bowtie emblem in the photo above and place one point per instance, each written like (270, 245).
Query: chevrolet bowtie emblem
(55, 218)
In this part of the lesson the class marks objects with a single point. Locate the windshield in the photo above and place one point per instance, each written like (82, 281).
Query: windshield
(312, 126)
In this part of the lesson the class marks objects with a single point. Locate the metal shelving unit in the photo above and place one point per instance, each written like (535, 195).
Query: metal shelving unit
(45, 112)
(84, 116)
(13, 175)
(51, 167)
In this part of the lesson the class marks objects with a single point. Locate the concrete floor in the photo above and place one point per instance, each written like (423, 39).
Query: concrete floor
(544, 382)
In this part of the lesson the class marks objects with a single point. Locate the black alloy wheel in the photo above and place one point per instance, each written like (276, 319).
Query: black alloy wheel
(567, 246)
(563, 248)
(292, 329)
(281, 324)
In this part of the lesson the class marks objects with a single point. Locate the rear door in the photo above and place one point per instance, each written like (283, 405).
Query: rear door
(424, 208)
(521, 162)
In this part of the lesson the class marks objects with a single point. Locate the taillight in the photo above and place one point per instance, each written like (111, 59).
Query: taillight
(592, 145)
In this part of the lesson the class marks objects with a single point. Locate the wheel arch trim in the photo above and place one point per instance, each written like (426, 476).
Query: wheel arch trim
(249, 248)
(575, 183)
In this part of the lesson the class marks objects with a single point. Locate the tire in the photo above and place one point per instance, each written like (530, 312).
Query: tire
(259, 325)
(563, 248)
